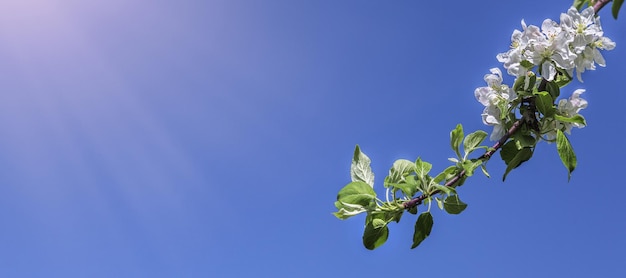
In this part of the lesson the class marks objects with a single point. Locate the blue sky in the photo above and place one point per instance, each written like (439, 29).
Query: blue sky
(210, 138)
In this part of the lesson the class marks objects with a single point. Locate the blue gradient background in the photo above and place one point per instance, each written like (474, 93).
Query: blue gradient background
(209, 139)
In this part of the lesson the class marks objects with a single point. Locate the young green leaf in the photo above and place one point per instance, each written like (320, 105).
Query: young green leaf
(453, 205)
(399, 171)
(578, 4)
(545, 103)
(566, 152)
(358, 193)
(423, 226)
(483, 167)
(448, 173)
(347, 210)
(439, 203)
(456, 137)
(617, 4)
(579, 119)
(562, 78)
(360, 170)
(375, 234)
(470, 165)
(518, 85)
(409, 186)
(472, 140)
(422, 168)
(378, 223)
(526, 64)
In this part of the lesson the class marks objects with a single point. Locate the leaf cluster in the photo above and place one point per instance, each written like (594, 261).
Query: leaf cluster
(406, 182)
(539, 117)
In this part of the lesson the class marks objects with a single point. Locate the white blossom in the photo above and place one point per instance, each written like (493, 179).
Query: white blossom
(568, 108)
(494, 96)
(572, 44)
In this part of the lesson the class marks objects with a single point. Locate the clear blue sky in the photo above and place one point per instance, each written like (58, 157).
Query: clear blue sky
(210, 138)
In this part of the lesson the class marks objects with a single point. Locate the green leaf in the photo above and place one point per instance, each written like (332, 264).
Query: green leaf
(423, 226)
(360, 170)
(508, 151)
(375, 234)
(553, 89)
(578, 4)
(522, 156)
(358, 193)
(347, 210)
(422, 168)
(527, 64)
(444, 189)
(439, 203)
(413, 210)
(514, 157)
(472, 140)
(453, 205)
(545, 103)
(525, 82)
(562, 78)
(393, 215)
(456, 137)
(518, 85)
(399, 171)
(483, 167)
(617, 4)
(408, 186)
(524, 140)
(448, 173)
(470, 165)
(566, 152)
(579, 119)
(378, 223)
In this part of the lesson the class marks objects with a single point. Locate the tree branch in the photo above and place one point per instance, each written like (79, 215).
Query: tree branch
(597, 6)
(486, 156)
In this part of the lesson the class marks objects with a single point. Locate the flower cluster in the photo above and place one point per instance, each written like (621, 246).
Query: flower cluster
(572, 44)
(555, 49)
(496, 98)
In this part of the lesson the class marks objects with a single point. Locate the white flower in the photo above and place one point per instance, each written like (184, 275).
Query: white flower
(574, 44)
(552, 51)
(588, 38)
(491, 116)
(520, 41)
(494, 97)
(582, 25)
(568, 108)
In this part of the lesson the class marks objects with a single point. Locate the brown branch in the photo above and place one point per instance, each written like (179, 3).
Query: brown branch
(597, 6)
(486, 156)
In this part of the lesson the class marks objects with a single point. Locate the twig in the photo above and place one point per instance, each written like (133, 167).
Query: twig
(486, 156)
(597, 6)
